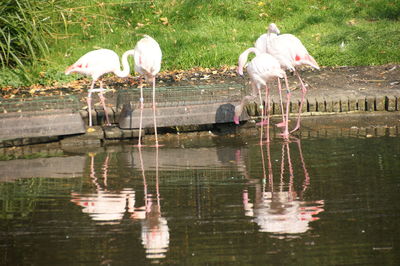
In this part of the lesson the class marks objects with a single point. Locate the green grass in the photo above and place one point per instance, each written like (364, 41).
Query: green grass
(192, 33)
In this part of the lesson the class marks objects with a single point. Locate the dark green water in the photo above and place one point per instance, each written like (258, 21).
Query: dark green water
(217, 201)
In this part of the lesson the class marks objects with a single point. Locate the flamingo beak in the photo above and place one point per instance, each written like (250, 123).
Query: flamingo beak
(236, 119)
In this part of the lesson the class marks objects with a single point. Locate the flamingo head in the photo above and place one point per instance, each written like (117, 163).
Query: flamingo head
(236, 119)
(68, 70)
(272, 28)
(238, 112)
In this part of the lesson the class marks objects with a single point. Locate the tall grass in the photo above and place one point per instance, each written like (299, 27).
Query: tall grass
(191, 32)
(23, 34)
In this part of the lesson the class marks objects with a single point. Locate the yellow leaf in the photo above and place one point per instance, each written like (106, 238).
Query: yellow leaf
(164, 21)
(352, 22)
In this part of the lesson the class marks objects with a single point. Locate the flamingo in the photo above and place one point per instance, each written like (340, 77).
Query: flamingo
(147, 54)
(290, 53)
(261, 69)
(262, 41)
(95, 64)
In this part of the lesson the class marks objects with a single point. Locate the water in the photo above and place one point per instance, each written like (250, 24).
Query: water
(223, 200)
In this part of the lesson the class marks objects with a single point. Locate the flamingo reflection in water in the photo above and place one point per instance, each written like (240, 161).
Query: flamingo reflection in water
(104, 206)
(279, 209)
(155, 231)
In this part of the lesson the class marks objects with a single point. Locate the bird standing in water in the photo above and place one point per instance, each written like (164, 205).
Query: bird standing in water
(95, 64)
(261, 69)
(147, 54)
(290, 53)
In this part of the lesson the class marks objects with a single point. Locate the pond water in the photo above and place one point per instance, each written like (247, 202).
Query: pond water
(222, 200)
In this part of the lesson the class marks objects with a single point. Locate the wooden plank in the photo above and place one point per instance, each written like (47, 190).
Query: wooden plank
(180, 115)
(40, 124)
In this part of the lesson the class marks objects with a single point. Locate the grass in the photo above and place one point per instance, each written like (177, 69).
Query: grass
(191, 33)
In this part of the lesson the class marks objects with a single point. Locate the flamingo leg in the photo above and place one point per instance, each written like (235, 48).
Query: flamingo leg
(103, 103)
(282, 124)
(141, 113)
(267, 109)
(303, 94)
(89, 103)
(285, 133)
(154, 110)
(262, 113)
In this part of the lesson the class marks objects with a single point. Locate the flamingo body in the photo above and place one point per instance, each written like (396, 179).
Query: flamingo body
(262, 41)
(95, 64)
(290, 52)
(261, 69)
(148, 55)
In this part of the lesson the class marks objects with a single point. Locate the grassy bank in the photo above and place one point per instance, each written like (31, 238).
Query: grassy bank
(191, 33)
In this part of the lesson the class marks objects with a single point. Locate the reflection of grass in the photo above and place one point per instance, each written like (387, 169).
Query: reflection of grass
(20, 198)
(13, 156)
(208, 33)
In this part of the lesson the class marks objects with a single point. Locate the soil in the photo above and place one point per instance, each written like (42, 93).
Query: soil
(329, 82)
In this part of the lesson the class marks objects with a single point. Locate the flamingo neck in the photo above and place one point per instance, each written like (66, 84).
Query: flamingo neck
(243, 58)
(125, 65)
(270, 37)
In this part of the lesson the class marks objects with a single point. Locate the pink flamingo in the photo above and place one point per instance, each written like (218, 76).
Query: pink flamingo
(95, 64)
(261, 69)
(262, 41)
(290, 53)
(147, 54)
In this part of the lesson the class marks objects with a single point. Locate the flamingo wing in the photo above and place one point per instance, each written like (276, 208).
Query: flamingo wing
(290, 52)
(95, 63)
(266, 67)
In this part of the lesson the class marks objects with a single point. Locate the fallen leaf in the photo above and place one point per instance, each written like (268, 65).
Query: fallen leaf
(164, 20)
(352, 22)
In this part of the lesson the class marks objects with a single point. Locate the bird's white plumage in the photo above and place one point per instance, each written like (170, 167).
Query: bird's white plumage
(261, 69)
(147, 54)
(286, 48)
(261, 43)
(289, 51)
(147, 57)
(96, 63)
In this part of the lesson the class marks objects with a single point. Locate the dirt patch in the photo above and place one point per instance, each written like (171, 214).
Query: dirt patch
(329, 82)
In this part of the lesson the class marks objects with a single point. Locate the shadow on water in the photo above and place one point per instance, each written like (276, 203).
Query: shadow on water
(215, 200)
